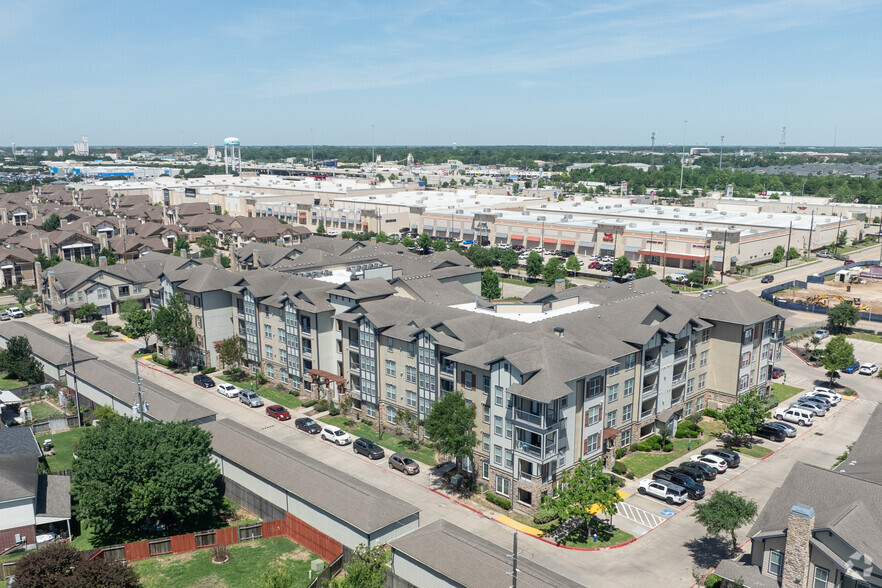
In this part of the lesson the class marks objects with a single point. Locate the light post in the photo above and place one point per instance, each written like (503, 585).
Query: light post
(721, 151)
(683, 156)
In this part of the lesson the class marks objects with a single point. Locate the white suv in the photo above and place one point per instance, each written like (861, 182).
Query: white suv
(826, 393)
(667, 491)
(336, 435)
(800, 416)
(228, 390)
(15, 312)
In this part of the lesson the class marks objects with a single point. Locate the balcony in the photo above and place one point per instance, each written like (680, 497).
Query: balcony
(540, 421)
(447, 367)
(681, 354)
(650, 365)
(649, 392)
(647, 413)
(535, 451)
(679, 379)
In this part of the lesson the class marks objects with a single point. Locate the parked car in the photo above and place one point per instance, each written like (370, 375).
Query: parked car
(800, 416)
(867, 369)
(694, 491)
(278, 412)
(732, 459)
(821, 334)
(827, 393)
(712, 460)
(850, 369)
(847, 261)
(708, 471)
(786, 428)
(768, 279)
(777, 372)
(769, 432)
(4, 316)
(816, 408)
(203, 380)
(695, 475)
(825, 255)
(667, 491)
(15, 312)
(368, 448)
(402, 463)
(817, 400)
(250, 398)
(336, 435)
(228, 390)
(308, 425)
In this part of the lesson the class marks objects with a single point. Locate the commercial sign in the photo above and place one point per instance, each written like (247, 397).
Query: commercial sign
(607, 236)
(730, 190)
(624, 188)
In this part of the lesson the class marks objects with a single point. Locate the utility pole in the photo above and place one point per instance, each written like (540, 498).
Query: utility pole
(140, 393)
(514, 563)
(879, 236)
(311, 148)
(723, 265)
(652, 154)
(808, 251)
(73, 366)
(683, 155)
(787, 253)
(722, 137)
(836, 242)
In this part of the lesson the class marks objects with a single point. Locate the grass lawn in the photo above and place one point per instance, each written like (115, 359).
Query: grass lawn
(248, 561)
(268, 393)
(864, 337)
(83, 541)
(757, 451)
(7, 383)
(99, 337)
(64, 444)
(394, 442)
(43, 412)
(782, 392)
(642, 463)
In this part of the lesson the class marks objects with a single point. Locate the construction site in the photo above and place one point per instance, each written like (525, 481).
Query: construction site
(861, 287)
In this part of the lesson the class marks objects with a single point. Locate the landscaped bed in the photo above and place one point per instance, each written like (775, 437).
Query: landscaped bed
(398, 444)
(43, 411)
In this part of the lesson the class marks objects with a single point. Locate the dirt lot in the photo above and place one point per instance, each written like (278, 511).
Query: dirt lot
(869, 293)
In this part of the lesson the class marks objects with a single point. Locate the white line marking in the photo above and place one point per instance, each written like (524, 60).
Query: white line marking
(638, 515)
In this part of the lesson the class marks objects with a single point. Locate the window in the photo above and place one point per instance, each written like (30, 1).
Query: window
(745, 359)
(688, 409)
(626, 438)
(282, 337)
(123, 291)
(690, 385)
(743, 382)
(821, 578)
(306, 346)
(614, 370)
(776, 562)
(267, 332)
(611, 418)
(592, 417)
(283, 355)
(485, 470)
(703, 361)
(468, 380)
(630, 361)
(270, 371)
(370, 410)
(283, 375)
(629, 387)
(747, 337)
(391, 393)
(508, 430)
(613, 393)
(497, 425)
(486, 386)
(136, 288)
(390, 344)
(497, 454)
(497, 396)
(503, 486)
(591, 443)
(691, 362)
(410, 350)
(390, 368)
(102, 293)
(486, 409)
(701, 381)
(391, 413)
(268, 351)
(411, 398)
(765, 352)
(485, 442)
(699, 404)
(305, 324)
(410, 374)
(627, 412)
(595, 387)
(198, 322)
(705, 335)
(509, 458)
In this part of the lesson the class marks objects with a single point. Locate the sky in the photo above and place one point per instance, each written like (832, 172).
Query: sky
(437, 73)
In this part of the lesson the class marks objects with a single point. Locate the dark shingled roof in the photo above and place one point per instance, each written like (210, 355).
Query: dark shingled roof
(18, 441)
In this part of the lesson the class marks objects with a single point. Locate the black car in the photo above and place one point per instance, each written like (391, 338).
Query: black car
(767, 279)
(709, 472)
(695, 491)
(368, 448)
(769, 432)
(308, 425)
(732, 459)
(696, 476)
(203, 380)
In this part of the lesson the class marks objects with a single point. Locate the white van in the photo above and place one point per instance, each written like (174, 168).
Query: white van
(800, 416)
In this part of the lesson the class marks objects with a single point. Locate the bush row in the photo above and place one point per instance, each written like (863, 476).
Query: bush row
(687, 430)
(654, 443)
(164, 362)
(543, 516)
(503, 503)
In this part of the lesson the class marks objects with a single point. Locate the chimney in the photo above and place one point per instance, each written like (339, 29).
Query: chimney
(559, 331)
(177, 214)
(217, 260)
(44, 246)
(102, 261)
(560, 285)
(4, 215)
(234, 261)
(64, 222)
(165, 219)
(87, 227)
(255, 258)
(102, 239)
(38, 269)
(34, 213)
(796, 549)
(122, 226)
(50, 279)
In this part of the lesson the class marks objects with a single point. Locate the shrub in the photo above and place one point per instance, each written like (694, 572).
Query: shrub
(164, 362)
(296, 393)
(281, 387)
(368, 422)
(102, 328)
(543, 516)
(621, 452)
(633, 447)
(687, 430)
(322, 405)
(503, 503)
(308, 403)
(714, 414)
(713, 581)
(694, 418)
(260, 378)
(349, 423)
(208, 370)
(333, 410)
(620, 468)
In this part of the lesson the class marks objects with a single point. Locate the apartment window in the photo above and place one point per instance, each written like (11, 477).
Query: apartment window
(198, 322)
(390, 344)
(505, 366)
(391, 413)
(305, 324)
(497, 425)
(410, 374)
(282, 336)
(509, 458)
(627, 412)
(197, 302)
(765, 352)
(102, 293)
(591, 443)
(268, 351)
(699, 404)
(390, 368)
(630, 361)
(485, 470)
(688, 410)
(703, 361)
(705, 335)
(486, 414)
(592, 416)
(503, 486)
(123, 291)
(283, 355)
(595, 387)
(743, 382)
(468, 380)
(629, 387)
(612, 393)
(745, 359)
(614, 370)
(747, 337)
(136, 289)
(497, 396)
(701, 381)
(486, 386)
(821, 578)
(508, 430)
(410, 351)
(497, 454)
(267, 332)
(411, 398)
(391, 392)
(485, 442)
(370, 409)
(776, 562)
(691, 362)
(612, 418)
(626, 438)
(690, 385)
(306, 346)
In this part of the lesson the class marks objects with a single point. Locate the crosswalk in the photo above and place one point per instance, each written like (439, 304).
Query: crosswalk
(638, 515)
(870, 402)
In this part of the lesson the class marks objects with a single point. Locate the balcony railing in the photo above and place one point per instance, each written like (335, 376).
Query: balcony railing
(646, 413)
(681, 354)
(528, 417)
(648, 388)
(679, 378)
(650, 364)
(536, 451)
(447, 367)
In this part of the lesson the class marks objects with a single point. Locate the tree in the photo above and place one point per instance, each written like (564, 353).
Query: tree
(22, 294)
(534, 264)
(282, 575)
(18, 361)
(743, 416)
(449, 424)
(479, 256)
(643, 271)
(842, 315)
(725, 511)
(580, 488)
(573, 263)
(47, 262)
(207, 252)
(454, 246)
(793, 253)
(664, 432)
(553, 271)
(207, 240)
(181, 244)
(490, 285)
(842, 239)
(320, 229)
(838, 354)
(88, 312)
(231, 351)
(138, 321)
(439, 245)
(61, 564)
(108, 255)
(225, 261)
(621, 266)
(508, 259)
(409, 242)
(366, 569)
(703, 274)
(778, 254)
(382, 237)
(424, 241)
(53, 223)
(174, 327)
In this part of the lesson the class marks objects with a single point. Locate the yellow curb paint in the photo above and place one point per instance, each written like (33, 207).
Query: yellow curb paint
(519, 526)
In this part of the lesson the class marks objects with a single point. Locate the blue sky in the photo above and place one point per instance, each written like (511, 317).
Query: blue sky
(471, 72)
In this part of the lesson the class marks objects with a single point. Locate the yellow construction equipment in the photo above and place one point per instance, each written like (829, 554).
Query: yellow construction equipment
(857, 304)
(818, 300)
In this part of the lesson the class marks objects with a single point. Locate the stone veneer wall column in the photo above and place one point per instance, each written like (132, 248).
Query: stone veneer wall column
(796, 550)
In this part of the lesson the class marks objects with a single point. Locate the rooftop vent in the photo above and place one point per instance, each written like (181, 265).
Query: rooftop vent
(559, 331)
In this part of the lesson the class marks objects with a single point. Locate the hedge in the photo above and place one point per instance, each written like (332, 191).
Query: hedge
(714, 414)
(654, 444)
(504, 503)
(165, 362)
(308, 403)
(543, 516)
(687, 430)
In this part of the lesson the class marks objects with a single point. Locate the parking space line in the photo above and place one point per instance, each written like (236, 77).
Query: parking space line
(638, 515)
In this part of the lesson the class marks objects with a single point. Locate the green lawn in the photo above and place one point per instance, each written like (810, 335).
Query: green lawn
(43, 412)
(83, 541)
(7, 383)
(248, 561)
(781, 392)
(267, 392)
(642, 463)
(864, 337)
(99, 337)
(757, 451)
(394, 442)
(64, 444)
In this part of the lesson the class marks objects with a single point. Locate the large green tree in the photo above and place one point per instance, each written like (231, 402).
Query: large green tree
(174, 326)
(137, 321)
(450, 425)
(479, 256)
(534, 264)
(778, 254)
(231, 351)
(703, 274)
(643, 271)
(424, 241)
(87, 312)
(490, 285)
(320, 229)
(725, 511)
(838, 354)
(844, 314)
(621, 266)
(508, 259)
(18, 361)
(743, 416)
(366, 569)
(22, 294)
(573, 264)
(553, 271)
(580, 488)
(439, 245)
(129, 474)
(53, 223)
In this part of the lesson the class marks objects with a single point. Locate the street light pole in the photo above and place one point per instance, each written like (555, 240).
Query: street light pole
(683, 155)
(787, 253)
(721, 150)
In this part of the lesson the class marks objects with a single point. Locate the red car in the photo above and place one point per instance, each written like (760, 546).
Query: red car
(593, 265)
(278, 412)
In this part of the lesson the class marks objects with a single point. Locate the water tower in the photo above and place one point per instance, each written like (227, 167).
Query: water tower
(232, 155)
